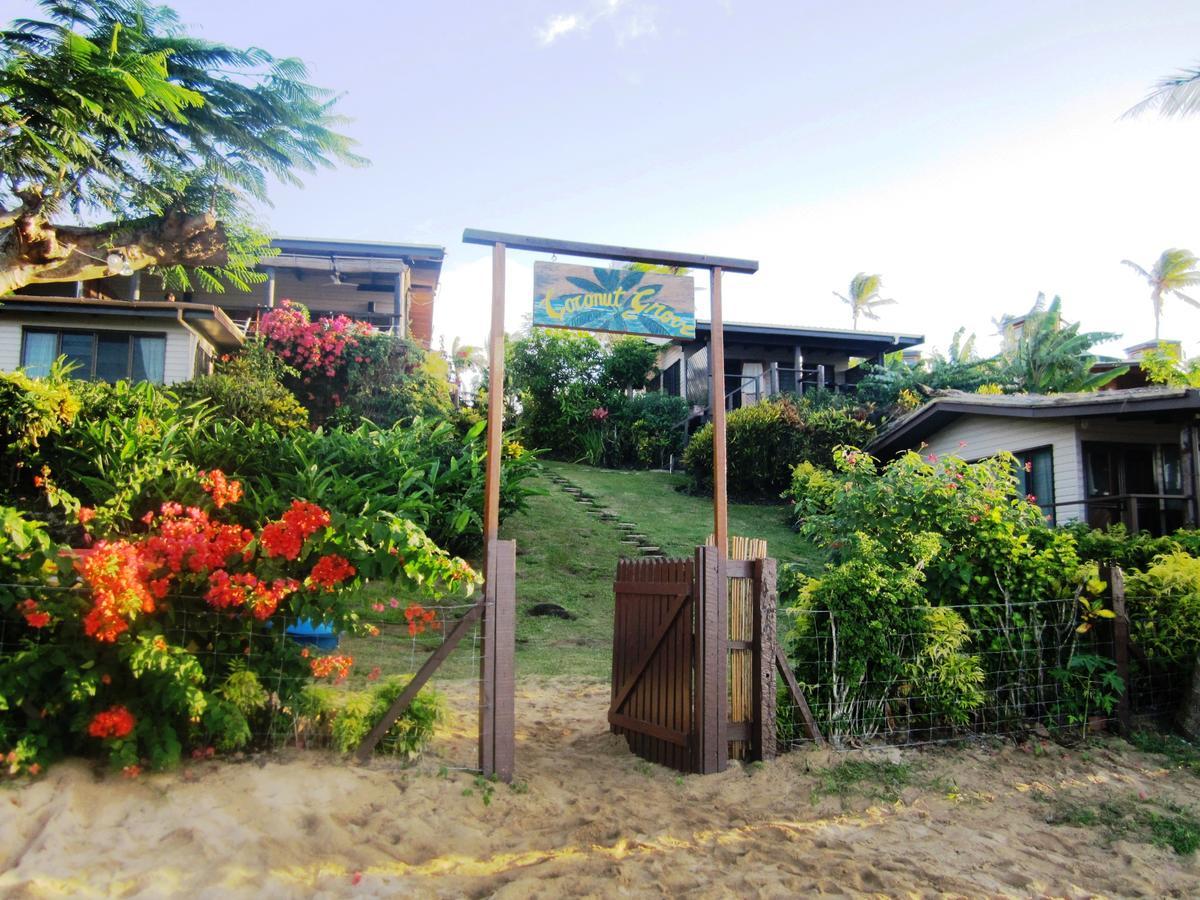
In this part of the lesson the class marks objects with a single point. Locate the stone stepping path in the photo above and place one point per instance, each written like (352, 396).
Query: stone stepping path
(630, 536)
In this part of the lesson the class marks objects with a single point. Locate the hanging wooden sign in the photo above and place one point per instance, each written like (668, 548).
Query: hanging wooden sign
(623, 301)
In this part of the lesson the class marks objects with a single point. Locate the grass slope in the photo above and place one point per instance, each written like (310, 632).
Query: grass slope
(678, 522)
(566, 557)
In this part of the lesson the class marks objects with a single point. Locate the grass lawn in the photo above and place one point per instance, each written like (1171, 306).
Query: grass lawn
(678, 522)
(567, 557)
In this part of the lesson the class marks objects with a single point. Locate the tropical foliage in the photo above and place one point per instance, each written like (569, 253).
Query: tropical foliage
(1044, 355)
(110, 108)
(1050, 356)
(765, 441)
(1175, 95)
(906, 541)
(580, 399)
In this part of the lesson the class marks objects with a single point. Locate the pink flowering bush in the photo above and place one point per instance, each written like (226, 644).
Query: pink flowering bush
(322, 347)
(347, 370)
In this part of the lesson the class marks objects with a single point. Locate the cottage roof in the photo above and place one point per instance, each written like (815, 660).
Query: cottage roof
(910, 430)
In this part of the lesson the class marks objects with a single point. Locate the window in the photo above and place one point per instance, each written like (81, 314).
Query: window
(96, 355)
(1132, 484)
(1035, 478)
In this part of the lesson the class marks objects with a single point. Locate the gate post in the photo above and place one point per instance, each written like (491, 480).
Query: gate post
(762, 729)
(712, 691)
(497, 686)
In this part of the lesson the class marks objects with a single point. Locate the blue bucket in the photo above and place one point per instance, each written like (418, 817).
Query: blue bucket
(319, 635)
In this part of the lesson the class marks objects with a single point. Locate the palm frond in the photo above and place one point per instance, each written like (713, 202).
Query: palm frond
(1176, 95)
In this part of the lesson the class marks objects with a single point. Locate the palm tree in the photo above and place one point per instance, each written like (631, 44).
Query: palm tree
(864, 296)
(463, 358)
(1174, 270)
(1176, 95)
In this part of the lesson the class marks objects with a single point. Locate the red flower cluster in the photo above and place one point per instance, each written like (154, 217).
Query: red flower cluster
(419, 619)
(331, 571)
(285, 537)
(262, 599)
(187, 540)
(115, 574)
(85, 515)
(34, 617)
(114, 722)
(336, 667)
(223, 490)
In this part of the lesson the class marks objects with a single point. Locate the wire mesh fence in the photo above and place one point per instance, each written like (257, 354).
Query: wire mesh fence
(314, 687)
(964, 671)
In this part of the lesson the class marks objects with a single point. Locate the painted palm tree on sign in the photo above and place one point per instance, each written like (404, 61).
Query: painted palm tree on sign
(864, 297)
(1171, 273)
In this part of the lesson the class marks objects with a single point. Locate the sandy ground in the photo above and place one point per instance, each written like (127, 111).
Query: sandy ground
(590, 819)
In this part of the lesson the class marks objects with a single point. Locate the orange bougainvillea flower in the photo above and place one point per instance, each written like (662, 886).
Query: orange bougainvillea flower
(336, 667)
(330, 571)
(34, 617)
(222, 490)
(283, 539)
(419, 619)
(115, 722)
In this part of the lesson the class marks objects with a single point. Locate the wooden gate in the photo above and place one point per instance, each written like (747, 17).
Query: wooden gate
(671, 647)
(653, 652)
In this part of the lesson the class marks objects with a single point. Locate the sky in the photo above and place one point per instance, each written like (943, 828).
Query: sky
(972, 153)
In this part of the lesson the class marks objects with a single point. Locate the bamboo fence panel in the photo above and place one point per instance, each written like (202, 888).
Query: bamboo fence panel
(741, 628)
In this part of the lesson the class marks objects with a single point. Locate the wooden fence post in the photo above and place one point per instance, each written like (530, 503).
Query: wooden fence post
(497, 685)
(1120, 635)
(712, 689)
(762, 730)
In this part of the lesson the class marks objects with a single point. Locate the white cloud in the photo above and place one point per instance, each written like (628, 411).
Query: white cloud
(630, 21)
(557, 26)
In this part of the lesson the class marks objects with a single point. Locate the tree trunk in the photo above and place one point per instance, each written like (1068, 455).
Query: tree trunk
(1189, 711)
(34, 251)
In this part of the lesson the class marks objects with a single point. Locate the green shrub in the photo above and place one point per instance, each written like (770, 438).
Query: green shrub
(248, 386)
(578, 399)
(32, 409)
(764, 442)
(656, 427)
(131, 447)
(1114, 545)
(345, 718)
(1164, 607)
(918, 534)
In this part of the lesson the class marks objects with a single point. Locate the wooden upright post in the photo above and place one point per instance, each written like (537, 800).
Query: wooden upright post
(495, 414)
(496, 687)
(1120, 635)
(762, 729)
(717, 401)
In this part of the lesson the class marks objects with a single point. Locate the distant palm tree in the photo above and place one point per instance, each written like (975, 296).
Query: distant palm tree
(864, 297)
(1174, 270)
(463, 358)
(1176, 95)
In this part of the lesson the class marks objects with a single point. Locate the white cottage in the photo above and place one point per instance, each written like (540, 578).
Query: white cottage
(110, 340)
(1130, 456)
